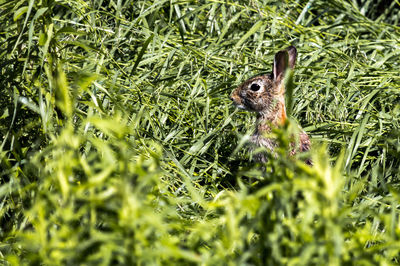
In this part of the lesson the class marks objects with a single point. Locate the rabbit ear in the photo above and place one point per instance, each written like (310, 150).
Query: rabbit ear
(292, 52)
(284, 59)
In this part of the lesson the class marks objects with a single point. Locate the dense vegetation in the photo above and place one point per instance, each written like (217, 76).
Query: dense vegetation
(119, 144)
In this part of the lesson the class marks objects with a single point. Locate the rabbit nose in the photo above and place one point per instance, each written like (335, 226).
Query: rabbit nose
(234, 98)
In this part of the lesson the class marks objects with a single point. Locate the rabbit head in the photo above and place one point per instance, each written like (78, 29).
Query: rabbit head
(265, 94)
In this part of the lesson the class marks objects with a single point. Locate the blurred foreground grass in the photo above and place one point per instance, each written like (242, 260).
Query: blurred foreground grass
(119, 144)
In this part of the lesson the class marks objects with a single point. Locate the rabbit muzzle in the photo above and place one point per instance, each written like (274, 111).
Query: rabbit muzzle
(237, 101)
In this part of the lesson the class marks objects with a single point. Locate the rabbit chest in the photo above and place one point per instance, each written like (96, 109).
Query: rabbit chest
(267, 143)
(259, 139)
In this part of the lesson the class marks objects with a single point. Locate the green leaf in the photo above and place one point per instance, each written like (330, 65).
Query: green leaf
(21, 11)
(250, 32)
(141, 53)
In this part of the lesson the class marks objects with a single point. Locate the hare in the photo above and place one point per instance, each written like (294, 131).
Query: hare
(265, 95)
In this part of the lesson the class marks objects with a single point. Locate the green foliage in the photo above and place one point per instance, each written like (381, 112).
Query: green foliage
(119, 144)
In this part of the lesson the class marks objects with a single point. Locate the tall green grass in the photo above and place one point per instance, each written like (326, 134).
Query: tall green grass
(119, 144)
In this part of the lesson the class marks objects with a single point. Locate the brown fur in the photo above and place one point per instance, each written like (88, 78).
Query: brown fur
(265, 95)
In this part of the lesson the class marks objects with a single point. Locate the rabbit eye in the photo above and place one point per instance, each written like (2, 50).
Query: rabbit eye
(254, 87)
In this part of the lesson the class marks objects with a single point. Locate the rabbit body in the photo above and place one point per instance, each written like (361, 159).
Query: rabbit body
(265, 95)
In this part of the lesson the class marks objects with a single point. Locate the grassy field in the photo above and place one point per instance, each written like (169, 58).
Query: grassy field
(119, 144)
